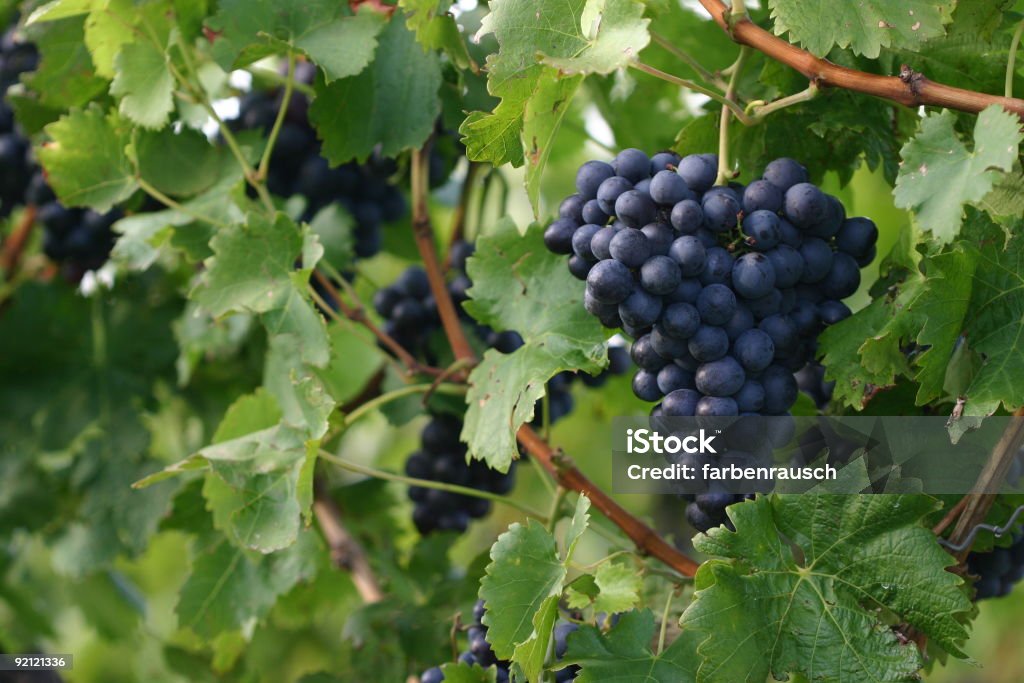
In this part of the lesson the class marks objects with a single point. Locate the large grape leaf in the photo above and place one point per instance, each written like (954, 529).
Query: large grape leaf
(519, 285)
(523, 584)
(624, 654)
(538, 42)
(865, 26)
(229, 587)
(765, 610)
(341, 43)
(65, 77)
(940, 175)
(85, 160)
(393, 103)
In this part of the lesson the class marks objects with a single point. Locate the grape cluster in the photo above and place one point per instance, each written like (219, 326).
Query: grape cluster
(998, 570)
(480, 652)
(297, 168)
(16, 164)
(442, 457)
(411, 318)
(724, 289)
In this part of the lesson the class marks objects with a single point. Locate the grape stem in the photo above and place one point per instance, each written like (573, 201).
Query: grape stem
(724, 167)
(14, 245)
(696, 87)
(286, 98)
(423, 233)
(979, 502)
(1011, 63)
(357, 314)
(346, 552)
(646, 539)
(156, 194)
(910, 88)
(704, 74)
(430, 484)
(759, 110)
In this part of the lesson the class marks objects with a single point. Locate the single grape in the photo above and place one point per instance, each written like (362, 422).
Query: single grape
(762, 230)
(630, 247)
(721, 212)
(609, 192)
(590, 176)
(784, 173)
(723, 377)
(753, 276)
(687, 217)
(610, 282)
(635, 209)
(632, 164)
(806, 206)
(754, 349)
(668, 189)
(641, 309)
(659, 275)
(558, 236)
(698, 171)
(708, 344)
(690, 254)
(716, 304)
(761, 195)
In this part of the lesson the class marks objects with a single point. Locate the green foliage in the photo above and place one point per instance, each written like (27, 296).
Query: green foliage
(939, 175)
(172, 423)
(864, 27)
(760, 610)
(393, 102)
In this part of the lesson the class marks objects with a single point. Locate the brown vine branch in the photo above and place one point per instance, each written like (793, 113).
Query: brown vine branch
(910, 88)
(346, 552)
(978, 502)
(566, 474)
(357, 314)
(14, 245)
(423, 232)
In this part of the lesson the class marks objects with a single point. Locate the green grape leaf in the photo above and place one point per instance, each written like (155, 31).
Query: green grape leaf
(393, 102)
(340, 43)
(939, 175)
(761, 611)
(864, 27)
(531, 653)
(229, 587)
(436, 29)
(524, 573)
(254, 266)
(110, 26)
(519, 285)
(58, 9)
(65, 77)
(579, 37)
(86, 162)
(865, 351)
(182, 164)
(144, 84)
(971, 294)
(464, 673)
(619, 588)
(625, 654)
